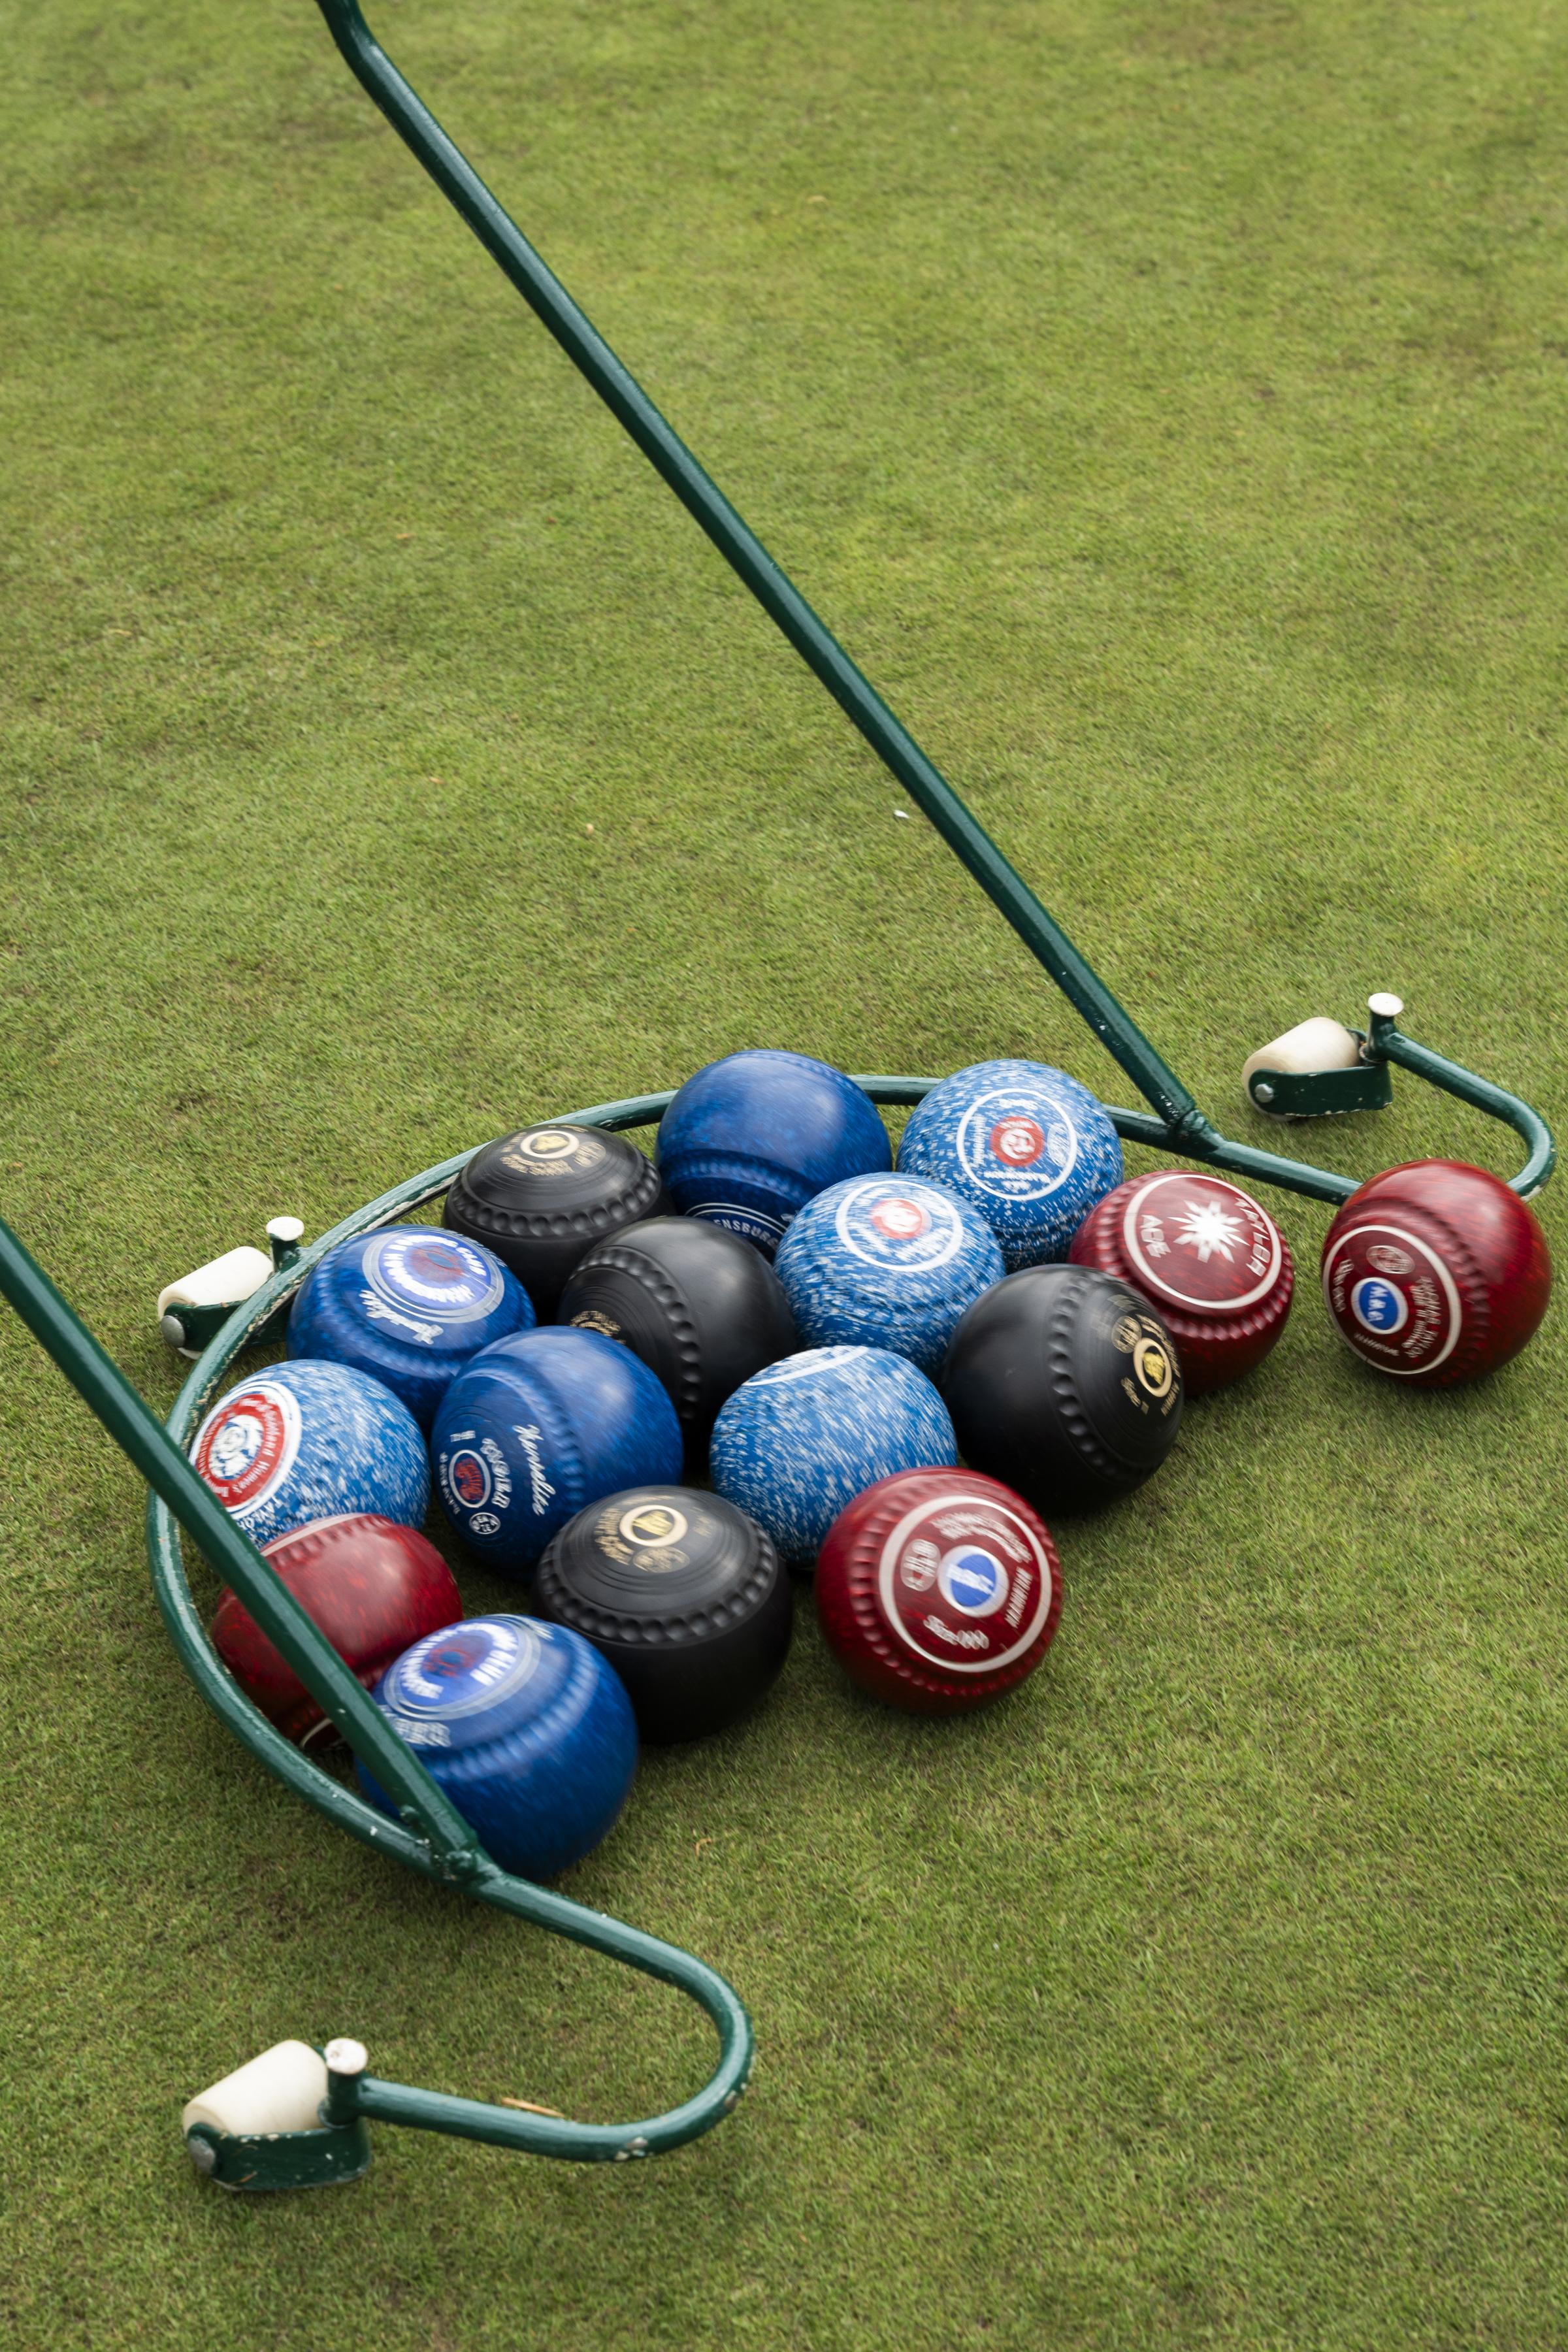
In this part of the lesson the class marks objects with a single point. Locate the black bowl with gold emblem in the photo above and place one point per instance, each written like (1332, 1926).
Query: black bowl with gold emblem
(540, 1198)
(1065, 1384)
(701, 1307)
(683, 1594)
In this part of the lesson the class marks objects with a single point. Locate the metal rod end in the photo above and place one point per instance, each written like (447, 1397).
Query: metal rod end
(285, 1235)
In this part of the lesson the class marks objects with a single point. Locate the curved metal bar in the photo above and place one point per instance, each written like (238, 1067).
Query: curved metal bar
(1388, 1043)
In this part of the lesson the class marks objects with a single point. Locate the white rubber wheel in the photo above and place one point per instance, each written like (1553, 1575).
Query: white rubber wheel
(279, 2091)
(1316, 1044)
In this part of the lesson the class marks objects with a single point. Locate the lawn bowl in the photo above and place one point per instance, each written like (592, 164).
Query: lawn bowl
(1209, 1259)
(749, 1139)
(939, 1589)
(1435, 1273)
(373, 1588)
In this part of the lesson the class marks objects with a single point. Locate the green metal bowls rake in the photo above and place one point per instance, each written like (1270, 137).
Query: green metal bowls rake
(328, 2141)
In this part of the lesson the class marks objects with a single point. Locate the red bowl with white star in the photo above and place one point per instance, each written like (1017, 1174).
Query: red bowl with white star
(1203, 1253)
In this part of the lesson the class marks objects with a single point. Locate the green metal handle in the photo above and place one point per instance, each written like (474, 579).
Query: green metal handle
(1386, 1042)
(741, 547)
(1178, 1126)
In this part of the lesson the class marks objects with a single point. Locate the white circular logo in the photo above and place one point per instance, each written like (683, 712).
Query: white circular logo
(553, 1150)
(653, 1526)
(438, 1275)
(1200, 1243)
(1019, 1141)
(895, 1223)
(465, 1668)
(249, 1445)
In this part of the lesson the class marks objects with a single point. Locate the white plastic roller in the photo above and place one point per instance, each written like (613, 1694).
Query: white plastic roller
(279, 2091)
(191, 1310)
(1316, 1044)
(222, 1282)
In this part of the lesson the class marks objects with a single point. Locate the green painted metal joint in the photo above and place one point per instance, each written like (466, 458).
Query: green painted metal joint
(1321, 1093)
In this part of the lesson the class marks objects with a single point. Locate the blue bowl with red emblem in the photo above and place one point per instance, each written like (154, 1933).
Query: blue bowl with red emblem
(541, 1424)
(311, 1441)
(410, 1305)
(1027, 1146)
(887, 1262)
(527, 1730)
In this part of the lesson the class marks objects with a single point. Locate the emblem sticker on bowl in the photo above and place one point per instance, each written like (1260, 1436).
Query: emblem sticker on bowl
(440, 1276)
(653, 1526)
(466, 1667)
(1393, 1300)
(473, 1473)
(1019, 1141)
(885, 1221)
(247, 1446)
(1201, 1245)
(964, 1584)
(553, 1151)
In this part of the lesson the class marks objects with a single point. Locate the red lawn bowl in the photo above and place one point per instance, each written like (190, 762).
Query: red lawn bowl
(939, 1589)
(1203, 1253)
(373, 1588)
(1435, 1273)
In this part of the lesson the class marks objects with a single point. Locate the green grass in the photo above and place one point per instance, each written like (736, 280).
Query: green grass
(1166, 400)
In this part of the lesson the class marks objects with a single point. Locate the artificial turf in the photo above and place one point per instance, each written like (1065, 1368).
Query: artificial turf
(1166, 401)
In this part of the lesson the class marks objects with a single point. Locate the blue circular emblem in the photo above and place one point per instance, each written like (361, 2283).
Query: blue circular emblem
(434, 1275)
(1377, 1306)
(467, 1667)
(973, 1581)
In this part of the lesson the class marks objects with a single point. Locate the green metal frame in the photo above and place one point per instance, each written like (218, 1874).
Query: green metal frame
(429, 1835)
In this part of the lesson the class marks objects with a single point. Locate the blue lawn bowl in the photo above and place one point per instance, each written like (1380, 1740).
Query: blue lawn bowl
(527, 1730)
(537, 1426)
(798, 1441)
(409, 1305)
(747, 1141)
(887, 1262)
(312, 1440)
(1027, 1146)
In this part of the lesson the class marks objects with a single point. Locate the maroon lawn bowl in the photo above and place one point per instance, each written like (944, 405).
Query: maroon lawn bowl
(373, 1588)
(1204, 1253)
(939, 1589)
(1435, 1273)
